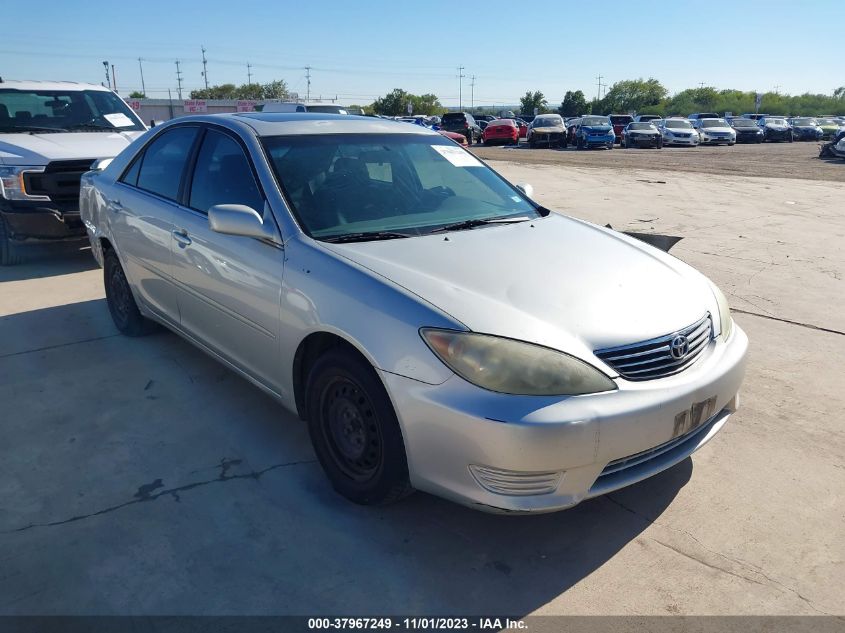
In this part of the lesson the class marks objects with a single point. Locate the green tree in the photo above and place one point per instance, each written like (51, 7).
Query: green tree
(137, 94)
(274, 90)
(533, 101)
(632, 95)
(395, 103)
(277, 89)
(573, 104)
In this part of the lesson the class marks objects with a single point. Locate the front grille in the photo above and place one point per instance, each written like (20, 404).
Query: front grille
(59, 180)
(654, 359)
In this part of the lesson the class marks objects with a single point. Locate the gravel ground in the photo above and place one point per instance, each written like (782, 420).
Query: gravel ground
(770, 160)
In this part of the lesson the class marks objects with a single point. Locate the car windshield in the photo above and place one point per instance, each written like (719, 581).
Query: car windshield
(641, 126)
(827, 122)
(678, 124)
(714, 123)
(405, 184)
(594, 120)
(548, 121)
(743, 123)
(45, 110)
(775, 122)
(804, 122)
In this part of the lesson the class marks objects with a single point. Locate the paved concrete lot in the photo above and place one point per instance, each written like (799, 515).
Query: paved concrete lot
(138, 476)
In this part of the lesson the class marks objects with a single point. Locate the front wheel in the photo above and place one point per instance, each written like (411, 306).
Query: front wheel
(124, 311)
(354, 430)
(9, 254)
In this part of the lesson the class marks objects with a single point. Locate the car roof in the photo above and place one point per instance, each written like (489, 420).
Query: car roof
(297, 123)
(50, 85)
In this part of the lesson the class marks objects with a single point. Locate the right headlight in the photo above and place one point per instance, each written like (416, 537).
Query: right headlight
(726, 322)
(514, 367)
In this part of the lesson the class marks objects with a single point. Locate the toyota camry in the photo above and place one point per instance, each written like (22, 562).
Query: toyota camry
(381, 283)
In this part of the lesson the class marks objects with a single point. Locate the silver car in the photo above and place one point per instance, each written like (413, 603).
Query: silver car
(437, 329)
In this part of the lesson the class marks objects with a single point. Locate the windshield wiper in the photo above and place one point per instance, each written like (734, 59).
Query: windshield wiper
(365, 237)
(91, 126)
(30, 128)
(471, 224)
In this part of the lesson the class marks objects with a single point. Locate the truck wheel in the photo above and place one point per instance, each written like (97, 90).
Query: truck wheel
(354, 430)
(9, 253)
(124, 311)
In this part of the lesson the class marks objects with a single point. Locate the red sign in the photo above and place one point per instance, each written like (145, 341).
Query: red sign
(135, 105)
(195, 105)
(246, 105)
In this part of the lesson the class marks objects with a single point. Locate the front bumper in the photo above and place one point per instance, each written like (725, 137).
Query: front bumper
(717, 140)
(691, 141)
(598, 140)
(748, 137)
(494, 451)
(643, 141)
(41, 220)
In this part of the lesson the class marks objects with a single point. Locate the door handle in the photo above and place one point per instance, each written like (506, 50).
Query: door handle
(115, 205)
(181, 237)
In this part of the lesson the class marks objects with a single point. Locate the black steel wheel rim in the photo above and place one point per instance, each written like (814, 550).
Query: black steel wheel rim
(120, 297)
(351, 429)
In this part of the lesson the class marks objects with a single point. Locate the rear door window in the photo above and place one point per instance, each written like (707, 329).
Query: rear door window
(164, 161)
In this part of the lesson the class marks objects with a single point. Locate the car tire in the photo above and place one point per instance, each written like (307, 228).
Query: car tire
(579, 143)
(532, 144)
(610, 145)
(354, 430)
(469, 139)
(9, 252)
(124, 311)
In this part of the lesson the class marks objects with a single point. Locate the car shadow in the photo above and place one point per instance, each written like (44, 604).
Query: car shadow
(156, 415)
(49, 260)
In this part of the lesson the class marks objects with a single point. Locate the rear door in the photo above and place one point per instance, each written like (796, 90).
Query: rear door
(141, 217)
(229, 287)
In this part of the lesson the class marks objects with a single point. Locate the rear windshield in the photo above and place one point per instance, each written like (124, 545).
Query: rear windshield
(454, 116)
(509, 122)
(61, 110)
(641, 126)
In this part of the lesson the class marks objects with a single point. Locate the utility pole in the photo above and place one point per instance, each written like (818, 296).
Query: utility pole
(178, 80)
(600, 84)
(113, 78)
(108, 79)
(141, 67)
(248, 74)
(777, 89)
(472, 93)
(460, 88)
(701, 84)
(204, 67)
(308, 80)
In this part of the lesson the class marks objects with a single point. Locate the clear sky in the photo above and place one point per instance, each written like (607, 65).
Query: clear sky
(359, 50)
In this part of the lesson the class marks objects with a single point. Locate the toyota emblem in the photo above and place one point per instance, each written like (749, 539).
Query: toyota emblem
(679, 347)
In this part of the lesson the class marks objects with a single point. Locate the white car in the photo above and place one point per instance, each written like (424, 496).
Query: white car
(677, 131)
(715, 131)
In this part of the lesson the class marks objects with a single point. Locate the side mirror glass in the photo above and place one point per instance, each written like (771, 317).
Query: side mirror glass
(527, 189)
(241, 220)
(155, 122)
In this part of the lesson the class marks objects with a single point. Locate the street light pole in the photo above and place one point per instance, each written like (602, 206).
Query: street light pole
(141, 67)
(108, 80)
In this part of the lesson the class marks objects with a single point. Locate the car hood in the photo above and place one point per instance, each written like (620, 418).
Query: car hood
(555, 281)
(40, 149)
(776, 126)
(746, 130)
(652, 132)
(707, 130)
(550, 129)
(806, 128)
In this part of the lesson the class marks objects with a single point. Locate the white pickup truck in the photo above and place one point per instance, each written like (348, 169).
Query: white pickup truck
(50, 134)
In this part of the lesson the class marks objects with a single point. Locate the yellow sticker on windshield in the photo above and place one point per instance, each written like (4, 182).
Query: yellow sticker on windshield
(457, 156)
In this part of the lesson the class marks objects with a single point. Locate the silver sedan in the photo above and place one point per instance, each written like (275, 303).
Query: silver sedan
(436, 328)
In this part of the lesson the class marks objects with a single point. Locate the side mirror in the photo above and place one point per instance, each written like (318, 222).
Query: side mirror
(155, 122)
(101, 164)
(239, 219)
(527, 189)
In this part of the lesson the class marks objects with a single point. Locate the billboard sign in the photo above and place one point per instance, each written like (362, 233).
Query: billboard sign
(195, 105)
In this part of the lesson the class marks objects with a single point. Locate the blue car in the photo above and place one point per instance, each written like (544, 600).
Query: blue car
(594, 131)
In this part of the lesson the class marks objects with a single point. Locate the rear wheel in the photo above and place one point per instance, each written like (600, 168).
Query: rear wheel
(9, 253)
(124, 311)
(354, 430)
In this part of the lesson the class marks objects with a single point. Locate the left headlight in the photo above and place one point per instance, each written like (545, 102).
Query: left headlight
(11, 183)
(514, 367)
(726, 322)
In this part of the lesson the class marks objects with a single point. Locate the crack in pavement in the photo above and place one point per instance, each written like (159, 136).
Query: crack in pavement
(749, 566)
(144, 493)
(49, 347)
(809, 326)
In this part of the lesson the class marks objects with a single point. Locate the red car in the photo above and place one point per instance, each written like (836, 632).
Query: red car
(460, 139)
(619, 121)
(523, 128)
(502, 131)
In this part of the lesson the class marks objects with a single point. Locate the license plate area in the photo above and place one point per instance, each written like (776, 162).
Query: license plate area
(690, 419)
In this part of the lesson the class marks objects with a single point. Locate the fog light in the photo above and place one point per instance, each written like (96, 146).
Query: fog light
(516, 483)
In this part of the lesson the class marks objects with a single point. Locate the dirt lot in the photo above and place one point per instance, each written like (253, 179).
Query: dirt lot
(139, 476)
(771, 160)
